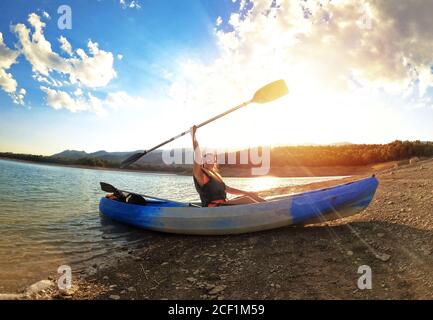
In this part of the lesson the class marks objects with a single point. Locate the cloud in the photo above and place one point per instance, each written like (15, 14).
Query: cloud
(121, 99)
(120, 56)
(93, 71)
(58, 99)
(7, 58)
(131, 4)
(7, 83)
(65, 45)
(319, 47)
(218, 21)
(79, 101)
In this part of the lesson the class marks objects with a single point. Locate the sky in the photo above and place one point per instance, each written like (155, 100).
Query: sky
(121, 75)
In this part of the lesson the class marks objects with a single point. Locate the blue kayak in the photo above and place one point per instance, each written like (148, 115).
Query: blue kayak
(302, 208)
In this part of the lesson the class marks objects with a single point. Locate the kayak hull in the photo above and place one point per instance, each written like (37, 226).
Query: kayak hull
(308, 207)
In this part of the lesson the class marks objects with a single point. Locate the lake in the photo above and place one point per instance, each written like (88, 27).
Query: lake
(49, 215)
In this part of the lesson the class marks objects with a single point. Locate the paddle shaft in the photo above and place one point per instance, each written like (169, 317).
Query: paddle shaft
(198, 126)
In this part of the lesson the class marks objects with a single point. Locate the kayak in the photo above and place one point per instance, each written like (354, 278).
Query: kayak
(302, 208)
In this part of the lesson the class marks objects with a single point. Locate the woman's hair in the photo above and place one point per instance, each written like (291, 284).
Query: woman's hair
(215, 164)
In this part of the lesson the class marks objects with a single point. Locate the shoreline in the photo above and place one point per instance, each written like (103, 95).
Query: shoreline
(283, 172)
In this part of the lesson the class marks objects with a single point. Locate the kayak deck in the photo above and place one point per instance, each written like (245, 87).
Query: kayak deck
(307, 207)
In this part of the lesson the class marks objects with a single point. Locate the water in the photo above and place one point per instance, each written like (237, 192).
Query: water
(49, 215)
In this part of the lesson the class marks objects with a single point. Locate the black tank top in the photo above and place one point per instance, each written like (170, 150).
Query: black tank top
(213, 190)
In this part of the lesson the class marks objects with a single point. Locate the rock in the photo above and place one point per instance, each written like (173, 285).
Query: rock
(349, 253)
(217, 289)
(164, 263)
(390, 202)
(413, 160)
(209, 286)
(39, 287)
(426, 251)
(131, 289)
(383, 257)
(68, 292)
(105, 278)
(380, 235)
(191, 279)
(114, 297)
(11, 296)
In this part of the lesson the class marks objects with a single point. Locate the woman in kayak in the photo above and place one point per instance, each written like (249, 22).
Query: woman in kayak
(209, 183)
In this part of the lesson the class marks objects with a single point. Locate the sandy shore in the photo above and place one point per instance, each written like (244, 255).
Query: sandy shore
(394, 237)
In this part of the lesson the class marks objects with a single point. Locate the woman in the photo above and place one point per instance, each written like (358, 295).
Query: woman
(209, 183)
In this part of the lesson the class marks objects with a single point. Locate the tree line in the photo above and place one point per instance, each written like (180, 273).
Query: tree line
(308, 156)
(350, 154)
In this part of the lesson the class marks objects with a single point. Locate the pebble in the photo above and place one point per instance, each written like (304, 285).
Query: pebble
(217, 289)
(39, 287)
(131, 289)
(349, 253)
(164, 263)
(114, 297)
(380, 235)
(191, 279)
(383, 257)
(105, 278)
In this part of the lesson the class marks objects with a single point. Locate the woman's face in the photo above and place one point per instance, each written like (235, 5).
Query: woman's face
(209, 160)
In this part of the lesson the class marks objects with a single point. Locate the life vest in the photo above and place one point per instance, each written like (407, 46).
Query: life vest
(213, 191)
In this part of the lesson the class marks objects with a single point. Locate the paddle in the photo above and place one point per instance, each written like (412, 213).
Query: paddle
(112, 189)
(268, 93)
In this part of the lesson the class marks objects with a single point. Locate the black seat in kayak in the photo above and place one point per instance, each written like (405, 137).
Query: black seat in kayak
(134, 198)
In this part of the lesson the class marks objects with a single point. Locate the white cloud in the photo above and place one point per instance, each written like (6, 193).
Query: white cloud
(79, 101)
(92, 71)
(218, 21)
(317, 47)
(7, 58)
(7, 82)
(65, 45)
(120, 56)
(131, 4)
(58, 99)
(78, 92)
(18, 97)
(121, 99)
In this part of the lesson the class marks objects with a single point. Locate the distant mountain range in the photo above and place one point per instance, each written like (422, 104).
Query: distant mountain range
(155, 157)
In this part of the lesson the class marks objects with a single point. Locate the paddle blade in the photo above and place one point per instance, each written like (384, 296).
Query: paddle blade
(271, 92)
(130, 160)
(107, 187)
